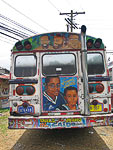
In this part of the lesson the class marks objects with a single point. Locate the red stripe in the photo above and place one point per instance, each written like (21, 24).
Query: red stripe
(53, 50)
(109, 89)
(108, 72)
(13, 92)
(10, 76)
(109, 107)
(61, 113)
(92, 121)
(44, 114)
(98, 75)
(10, 109)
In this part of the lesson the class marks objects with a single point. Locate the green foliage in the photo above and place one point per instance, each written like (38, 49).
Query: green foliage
(4, 120)
(3, 110)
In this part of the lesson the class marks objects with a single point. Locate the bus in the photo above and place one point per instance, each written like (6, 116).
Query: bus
(59, 80)
(110, 67)
(111, 86)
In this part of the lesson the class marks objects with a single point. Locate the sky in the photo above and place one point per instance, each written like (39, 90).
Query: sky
(42, 16)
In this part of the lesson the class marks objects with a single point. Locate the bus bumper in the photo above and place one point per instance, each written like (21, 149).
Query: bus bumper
(58, 122)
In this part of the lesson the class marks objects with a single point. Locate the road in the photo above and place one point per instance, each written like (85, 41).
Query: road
(98, 138)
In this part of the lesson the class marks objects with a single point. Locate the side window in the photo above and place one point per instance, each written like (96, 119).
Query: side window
(95, 63)
(25, 66)
(59, 64)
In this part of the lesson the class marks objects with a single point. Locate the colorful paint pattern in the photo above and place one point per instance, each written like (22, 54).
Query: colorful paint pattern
(53, 41)
(52, 123)
(59, 93)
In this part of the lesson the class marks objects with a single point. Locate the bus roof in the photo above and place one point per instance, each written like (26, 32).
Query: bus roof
(52, 41)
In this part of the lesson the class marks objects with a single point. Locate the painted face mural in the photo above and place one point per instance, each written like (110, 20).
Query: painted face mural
(58, 42)
(74, 42)
(71, 96)
(59, 93)
(44, 40)
(53, 87)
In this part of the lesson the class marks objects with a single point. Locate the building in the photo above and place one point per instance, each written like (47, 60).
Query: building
(4, 88)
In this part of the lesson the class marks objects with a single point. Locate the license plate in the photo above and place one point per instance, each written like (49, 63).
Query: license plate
(96, 107)
(28, 110)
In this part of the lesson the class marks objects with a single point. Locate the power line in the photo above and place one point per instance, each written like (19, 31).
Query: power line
(9, 36)
(6, 39)
(12, 31)
(53, 5)
(24, 15)
(15, 29)
(17, 24)
(6, 42)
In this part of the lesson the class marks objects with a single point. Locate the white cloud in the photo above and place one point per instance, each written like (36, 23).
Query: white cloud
(97, 18)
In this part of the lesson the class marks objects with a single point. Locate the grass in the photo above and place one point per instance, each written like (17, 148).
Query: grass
(3, 110)
(4, 120)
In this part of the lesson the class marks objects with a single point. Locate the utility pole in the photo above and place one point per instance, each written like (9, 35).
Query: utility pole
(70, 20)
(67, 27)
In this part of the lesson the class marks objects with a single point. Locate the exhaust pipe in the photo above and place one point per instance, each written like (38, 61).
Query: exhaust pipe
(84, 70)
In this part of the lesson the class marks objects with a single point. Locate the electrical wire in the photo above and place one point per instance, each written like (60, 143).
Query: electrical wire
(7, 39)
(53, 5)
(9, 36)
(15, 29)
(6, 42)
(17, 24)
(24, 15)
(12, 31)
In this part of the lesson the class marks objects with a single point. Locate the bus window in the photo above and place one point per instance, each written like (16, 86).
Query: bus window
(95, 63)
(59, 64)
(25, 66)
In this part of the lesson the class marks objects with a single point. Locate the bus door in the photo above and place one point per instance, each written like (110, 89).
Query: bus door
(99, 92)
(25, 84)
(59, 87)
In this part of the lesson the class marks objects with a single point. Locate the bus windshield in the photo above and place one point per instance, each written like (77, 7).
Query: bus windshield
(25, 66)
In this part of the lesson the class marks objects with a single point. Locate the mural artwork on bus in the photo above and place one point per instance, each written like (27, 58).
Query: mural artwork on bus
(58, 41)
(53, 41)
(59, 93)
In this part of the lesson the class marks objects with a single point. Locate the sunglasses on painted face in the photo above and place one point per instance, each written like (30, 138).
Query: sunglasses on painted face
(53, 85)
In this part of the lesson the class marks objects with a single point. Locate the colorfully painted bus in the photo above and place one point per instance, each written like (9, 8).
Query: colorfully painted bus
(110, 67)
(59, 80)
